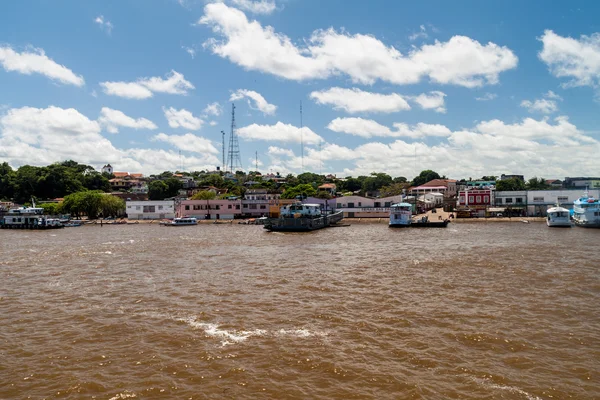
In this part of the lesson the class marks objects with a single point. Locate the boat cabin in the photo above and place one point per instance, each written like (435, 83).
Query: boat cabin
(298, 210)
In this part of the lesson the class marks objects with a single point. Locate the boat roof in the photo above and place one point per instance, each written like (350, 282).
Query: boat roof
(555, 209)
(402, 205)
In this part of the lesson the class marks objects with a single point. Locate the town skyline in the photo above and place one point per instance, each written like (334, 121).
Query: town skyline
(482, 89)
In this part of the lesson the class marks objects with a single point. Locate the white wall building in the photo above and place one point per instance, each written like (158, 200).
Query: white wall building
(538, 201)
(151, 209)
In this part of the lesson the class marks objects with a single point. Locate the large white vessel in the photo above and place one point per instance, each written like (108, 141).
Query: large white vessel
(586, 211)
(558, 217)
(400, 215)
(183, 221)
(29, 218)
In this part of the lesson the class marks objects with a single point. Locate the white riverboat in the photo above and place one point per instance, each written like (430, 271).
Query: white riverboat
(400, 215)
(183, 221)
(29, 218)
(558, 217)
(586, 211)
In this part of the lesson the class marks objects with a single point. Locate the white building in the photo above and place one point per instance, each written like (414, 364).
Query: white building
(538, 201)
(366, 207)
(108, 169)
(151, 209)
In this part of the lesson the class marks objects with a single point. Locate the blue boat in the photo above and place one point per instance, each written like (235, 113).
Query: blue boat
(586, 211)
(400, 215)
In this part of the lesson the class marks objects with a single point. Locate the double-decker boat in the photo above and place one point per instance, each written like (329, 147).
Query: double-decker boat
(586, 211)
(558, 217)
(300, 217)
(400, 215)
(183, 221)
(29, 218)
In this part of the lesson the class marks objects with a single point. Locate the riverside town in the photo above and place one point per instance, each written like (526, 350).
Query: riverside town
(73, 194)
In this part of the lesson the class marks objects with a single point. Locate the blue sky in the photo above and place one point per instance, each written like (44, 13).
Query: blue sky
(466, 89)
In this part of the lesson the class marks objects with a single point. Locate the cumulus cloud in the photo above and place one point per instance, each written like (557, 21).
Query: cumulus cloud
(487, 97)
(364, 58)
(421, 34)
(144, 88)
(274, 150)
(34, 60)
(255, 101)
(545, 105)
(182, 119)
(111, 120)
(214, 109)
(279, 132)
(105, 25)
(188, 142)
(356, 101)
(575, 59)
(434, 100)
(368, 128)
(41, 136)
(255, 7)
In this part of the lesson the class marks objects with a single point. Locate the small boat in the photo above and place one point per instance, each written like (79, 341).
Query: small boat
(586, 211)
(300, 217)
(183, 221)
(400, 215)
(424, 222)
(558, 217)
(71, 224)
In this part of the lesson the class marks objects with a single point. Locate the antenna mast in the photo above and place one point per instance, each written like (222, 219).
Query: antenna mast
(301, 137)
(223, 145)
(235, 161)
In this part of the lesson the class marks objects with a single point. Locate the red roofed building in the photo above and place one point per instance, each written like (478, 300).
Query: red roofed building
(445, 186)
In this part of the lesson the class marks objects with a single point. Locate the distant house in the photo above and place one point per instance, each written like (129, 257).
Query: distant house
(554, 183)
(107, 169)
(328, 188)
(151, 209)
(447, 187)
(504, 177)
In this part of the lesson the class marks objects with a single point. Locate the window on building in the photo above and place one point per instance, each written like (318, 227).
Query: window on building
(196, 207)
(359, 204)
(149, 209)
(562, 199)
(138, 208)
(187, 207)
(471, 199)
(538, 199)
(478, 199)
(486, 199)
(519, 200)
(253, 206)
(218, 207)
(237, 206)
(262, 207)
(245, 206)
(498, 200)
(377, 204)
(160, 207)
(229, 206)
(387, 204)
(509, 200)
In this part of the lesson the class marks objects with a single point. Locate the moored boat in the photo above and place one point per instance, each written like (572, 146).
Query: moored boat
(300, 217)
(182, 221)
(558, 217)
(29, 218)
(424, 222)
(586, 211)
(400, 215)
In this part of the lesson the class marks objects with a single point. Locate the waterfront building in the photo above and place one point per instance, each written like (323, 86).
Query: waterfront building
(447, 187)
(582, 183)
(256, 202)
(366, 207)
(474, 202)
(150, 209)
(210, 209)
(509, 203)
(538, 201)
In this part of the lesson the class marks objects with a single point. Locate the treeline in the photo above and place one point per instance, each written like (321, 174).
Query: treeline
(91, 203)
(50, 182)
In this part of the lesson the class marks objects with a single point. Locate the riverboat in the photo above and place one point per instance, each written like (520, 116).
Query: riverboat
(183, 221)
(424, 222)
(400, 215)
(300, 217)
(558, 217)
(586, 211)
(29, 218)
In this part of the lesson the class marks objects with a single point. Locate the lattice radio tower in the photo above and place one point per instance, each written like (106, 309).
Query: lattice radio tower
(234, 158)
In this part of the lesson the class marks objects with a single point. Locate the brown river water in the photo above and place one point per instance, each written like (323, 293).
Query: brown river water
(473, 311)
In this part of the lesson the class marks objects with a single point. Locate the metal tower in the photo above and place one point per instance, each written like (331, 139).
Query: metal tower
(234, 158)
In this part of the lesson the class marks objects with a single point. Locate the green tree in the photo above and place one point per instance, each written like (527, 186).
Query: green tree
(51, 208)
(424, 177)
(111, 206)
(395, 189)
(157, 190)
(537, 184)
(87, 202)
(299, 190)
(7, 184)
(173, 186)
(204, 195)
(376, 181)
(510, 185)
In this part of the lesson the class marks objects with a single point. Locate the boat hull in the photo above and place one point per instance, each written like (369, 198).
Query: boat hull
(429, 224)
(302, 224)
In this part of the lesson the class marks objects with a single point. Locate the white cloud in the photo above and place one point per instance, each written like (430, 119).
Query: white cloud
(144, 88)
(259, 101)
(113, 119)
(256, 7)
(279, 132)
(578, 60)
(546, 105)
(105, 25)
(190, 50)
(487, 97)
(182, 118)
(274, 150)
(434, 100)
(212, 123)
(188, 142)
(422, 34)
(42, 136)
(365, 59)
(213, 109)
(35, 61)
(355, 100)
(368, 128)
